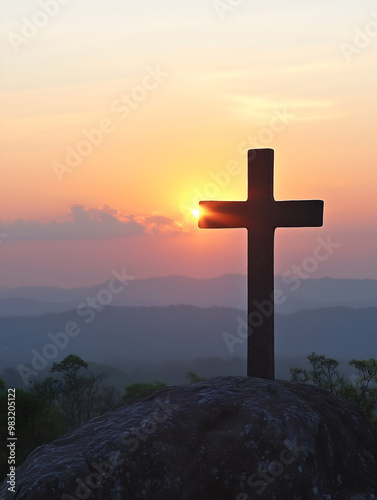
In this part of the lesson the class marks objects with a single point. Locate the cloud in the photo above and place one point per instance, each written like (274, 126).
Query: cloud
(90, 223)
(157, 223)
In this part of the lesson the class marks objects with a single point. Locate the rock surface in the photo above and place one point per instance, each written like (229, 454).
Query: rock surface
(228, 438)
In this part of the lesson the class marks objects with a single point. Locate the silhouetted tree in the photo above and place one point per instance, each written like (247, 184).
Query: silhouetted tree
(79, 395)
(360, 389)
(136, 391)
(37, 423)
(52, 406)
(323, 374)
(193, 378)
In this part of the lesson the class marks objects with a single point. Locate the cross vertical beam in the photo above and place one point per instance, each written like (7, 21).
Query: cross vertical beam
(260, 214)
(260, 267)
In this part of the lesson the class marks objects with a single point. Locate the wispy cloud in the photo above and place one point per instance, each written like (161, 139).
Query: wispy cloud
(157, 223)
(91, 223)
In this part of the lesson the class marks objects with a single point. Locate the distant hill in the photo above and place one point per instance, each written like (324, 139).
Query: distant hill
(18, 306)
(121, 335)
(224, 291)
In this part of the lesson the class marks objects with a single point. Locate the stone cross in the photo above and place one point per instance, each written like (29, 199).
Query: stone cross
(260, 214)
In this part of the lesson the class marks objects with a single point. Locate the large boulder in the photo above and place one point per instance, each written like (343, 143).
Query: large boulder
(228, 438)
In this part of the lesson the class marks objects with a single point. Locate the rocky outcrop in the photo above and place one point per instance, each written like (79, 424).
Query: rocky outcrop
(228, 438)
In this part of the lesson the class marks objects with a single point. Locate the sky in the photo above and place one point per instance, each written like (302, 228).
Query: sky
(117, 117)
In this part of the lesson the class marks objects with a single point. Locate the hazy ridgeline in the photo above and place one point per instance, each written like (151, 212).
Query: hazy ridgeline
(145, 333)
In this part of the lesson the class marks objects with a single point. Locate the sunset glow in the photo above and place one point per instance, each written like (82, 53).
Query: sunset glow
(118, 119)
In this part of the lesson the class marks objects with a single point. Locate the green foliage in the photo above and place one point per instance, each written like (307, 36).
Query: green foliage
(193, 378)
(364, 389)
(360, 389)
(299, 375)
(79, 397)
(134, 392)
(47, 390)
(69, 367)
(51, 407)
(37, 423)
(324, 372)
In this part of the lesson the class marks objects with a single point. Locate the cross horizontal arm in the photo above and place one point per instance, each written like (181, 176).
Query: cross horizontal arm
(222, 214)
(251, 214)
(306, 213)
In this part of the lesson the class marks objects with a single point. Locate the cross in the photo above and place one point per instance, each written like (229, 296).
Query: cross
(260, 214)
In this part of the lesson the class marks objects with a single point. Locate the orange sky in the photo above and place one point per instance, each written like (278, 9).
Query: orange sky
(181, 92)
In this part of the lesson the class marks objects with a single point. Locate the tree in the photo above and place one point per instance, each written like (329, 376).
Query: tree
(37, 423)
(79, 396)
(193, 378)
(51, 407)
(136, 391)
(69, 368)
(361, 389)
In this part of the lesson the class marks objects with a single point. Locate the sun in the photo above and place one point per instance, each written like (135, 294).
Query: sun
(196, 213)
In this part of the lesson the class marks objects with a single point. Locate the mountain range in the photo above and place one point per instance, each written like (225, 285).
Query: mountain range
(183, 322)
(123, 335)
(224, 291)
